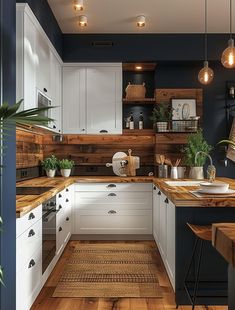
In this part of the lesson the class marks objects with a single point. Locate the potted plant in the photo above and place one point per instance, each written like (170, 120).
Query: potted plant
(65, 167)
(50, 165)
(196, 143)
(162, 114)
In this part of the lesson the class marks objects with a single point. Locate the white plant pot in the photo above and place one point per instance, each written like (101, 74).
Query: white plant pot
(65, 172)
(50, 173)
(196, 173)
(161, 126)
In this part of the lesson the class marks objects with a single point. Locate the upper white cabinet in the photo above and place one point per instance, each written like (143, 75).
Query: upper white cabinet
(92, 98)
(74, 100)
(26, 59)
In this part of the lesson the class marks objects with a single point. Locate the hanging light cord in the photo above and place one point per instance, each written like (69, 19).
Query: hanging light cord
(205, 30)
(231, 19)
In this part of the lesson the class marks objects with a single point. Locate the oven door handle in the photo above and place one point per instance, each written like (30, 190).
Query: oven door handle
(49, 216)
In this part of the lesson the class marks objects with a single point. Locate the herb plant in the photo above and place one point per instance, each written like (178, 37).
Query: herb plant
(66, 164)
(161, 113)
(50, 163)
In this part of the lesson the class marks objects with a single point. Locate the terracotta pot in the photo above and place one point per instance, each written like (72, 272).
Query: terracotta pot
(50, 173)
(65, 172)
(196, 173)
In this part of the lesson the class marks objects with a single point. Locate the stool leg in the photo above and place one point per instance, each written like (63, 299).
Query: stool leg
(191, 259)
(197, 274)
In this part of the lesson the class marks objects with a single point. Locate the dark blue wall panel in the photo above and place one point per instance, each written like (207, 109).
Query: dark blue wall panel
(8, 179)
(43, 12)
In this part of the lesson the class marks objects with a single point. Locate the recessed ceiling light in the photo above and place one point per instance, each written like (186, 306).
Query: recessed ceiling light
(82, 21)
(78, 5)
(138, 67)
(141, 21)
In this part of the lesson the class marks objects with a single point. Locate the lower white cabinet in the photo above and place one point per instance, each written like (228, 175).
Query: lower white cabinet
(164, 231)
(112, 209)
(63, 218)
(28, 258)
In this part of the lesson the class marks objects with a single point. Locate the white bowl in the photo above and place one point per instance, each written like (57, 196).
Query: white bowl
(214, 187)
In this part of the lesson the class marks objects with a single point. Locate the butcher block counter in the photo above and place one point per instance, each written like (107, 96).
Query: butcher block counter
(179, 195)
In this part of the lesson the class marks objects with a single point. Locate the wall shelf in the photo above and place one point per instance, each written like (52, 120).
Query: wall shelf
(139, 101)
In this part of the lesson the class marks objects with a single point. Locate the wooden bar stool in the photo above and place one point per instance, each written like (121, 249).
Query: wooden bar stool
(202, 233)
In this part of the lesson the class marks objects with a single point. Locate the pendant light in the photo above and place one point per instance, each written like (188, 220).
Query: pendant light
(206, 74)
(228, 56)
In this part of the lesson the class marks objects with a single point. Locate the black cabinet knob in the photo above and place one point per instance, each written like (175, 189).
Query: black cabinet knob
(31, 216)
(103, 131)
(31, 263)
(60, 229)
(154, 188)
(60, 195)
(112, 185)
(159, 193)
(45, 90)
(60, 207)
(166, 200)
(54, 126)
(67, 190)
(31, 233)
(67, 219)
(112, 194)
(67, 200)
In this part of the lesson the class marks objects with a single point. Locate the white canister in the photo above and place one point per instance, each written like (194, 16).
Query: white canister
(181, 172)
(174, 173)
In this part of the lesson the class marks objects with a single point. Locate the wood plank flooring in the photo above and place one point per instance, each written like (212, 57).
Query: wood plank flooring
(45, 301)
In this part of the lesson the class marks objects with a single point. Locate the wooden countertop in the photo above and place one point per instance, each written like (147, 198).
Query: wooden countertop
(179, 195)
(223, 239)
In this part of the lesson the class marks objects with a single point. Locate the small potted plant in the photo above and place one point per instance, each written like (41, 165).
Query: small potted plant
(50, 165)
(162, 114)
(196, 143)
(65, 167)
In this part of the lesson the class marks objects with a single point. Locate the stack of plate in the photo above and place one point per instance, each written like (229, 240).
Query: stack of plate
(214, 188)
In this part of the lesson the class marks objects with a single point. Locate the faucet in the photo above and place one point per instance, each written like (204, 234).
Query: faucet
(211, 170)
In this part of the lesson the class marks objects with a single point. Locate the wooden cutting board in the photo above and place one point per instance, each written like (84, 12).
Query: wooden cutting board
(131, 166)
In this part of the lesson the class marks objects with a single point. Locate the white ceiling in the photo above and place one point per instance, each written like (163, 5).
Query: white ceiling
(162, 16)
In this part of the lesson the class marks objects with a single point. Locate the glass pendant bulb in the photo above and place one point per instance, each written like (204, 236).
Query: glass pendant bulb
(228, 56)
(206, 74)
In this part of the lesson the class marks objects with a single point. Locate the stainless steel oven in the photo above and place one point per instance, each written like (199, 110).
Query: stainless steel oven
(48, 232)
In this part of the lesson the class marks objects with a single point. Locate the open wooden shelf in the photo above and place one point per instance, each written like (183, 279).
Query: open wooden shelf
(139, 101)
(139, 132)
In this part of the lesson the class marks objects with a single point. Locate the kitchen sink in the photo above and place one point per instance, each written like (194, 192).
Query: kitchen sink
(29, 190)
(183, 183)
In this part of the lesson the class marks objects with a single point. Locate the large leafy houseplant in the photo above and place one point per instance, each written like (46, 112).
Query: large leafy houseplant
(196, 142)
(10, 116)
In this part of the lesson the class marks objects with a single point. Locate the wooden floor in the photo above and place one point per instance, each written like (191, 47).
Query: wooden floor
(45, 301)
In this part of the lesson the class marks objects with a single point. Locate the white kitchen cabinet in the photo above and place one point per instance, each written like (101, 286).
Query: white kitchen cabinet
(63, 218)
(56, 92)
(92, 99)
(26, 58)
(156, 213)
(113, 209)
(74, 100)
(28, 258)
(162, 242)
(104, 99)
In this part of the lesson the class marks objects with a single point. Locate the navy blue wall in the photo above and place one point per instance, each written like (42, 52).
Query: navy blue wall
(8, 208)
(43, 12)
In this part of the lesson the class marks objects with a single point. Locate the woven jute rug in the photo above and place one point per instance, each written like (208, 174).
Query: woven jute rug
(110, 270)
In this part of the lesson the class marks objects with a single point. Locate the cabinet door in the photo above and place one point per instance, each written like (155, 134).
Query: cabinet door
(162, 242)
(43, 65)
(170, 250)
(156, 213)
(104, 100)
(74, 100)
(56, 91)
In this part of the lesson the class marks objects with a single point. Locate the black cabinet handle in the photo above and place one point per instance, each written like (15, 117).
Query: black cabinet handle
(54, 126)
(67, 200)
(60, 229)
(112, 185)
(67, 219)
(60, 207)
(45, 90)
(83, 129)
(103, 131)
(154, 188)
(112, 194)
(67, 190)
(166, 200)
(112, 212)
(31, 216)
(31, 233)
(159, 193)
(60, 195)
(31, 263)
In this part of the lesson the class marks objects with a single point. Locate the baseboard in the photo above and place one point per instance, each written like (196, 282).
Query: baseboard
(111, 237)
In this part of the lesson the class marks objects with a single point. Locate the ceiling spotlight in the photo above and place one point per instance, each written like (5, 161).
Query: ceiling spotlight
(138, 67)
(78, 5)
(141, 21)
(82, 21)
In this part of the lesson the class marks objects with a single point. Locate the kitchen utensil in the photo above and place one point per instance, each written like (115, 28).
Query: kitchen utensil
(162, 171)
(174, 173)
(181, 172)
(168, 162)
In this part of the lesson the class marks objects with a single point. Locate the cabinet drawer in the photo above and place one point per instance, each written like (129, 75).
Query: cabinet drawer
(63, 197)
(121, 200)
(113, 187)
(28, 281)
(29, 242)
(24, 222)
(106, 222)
